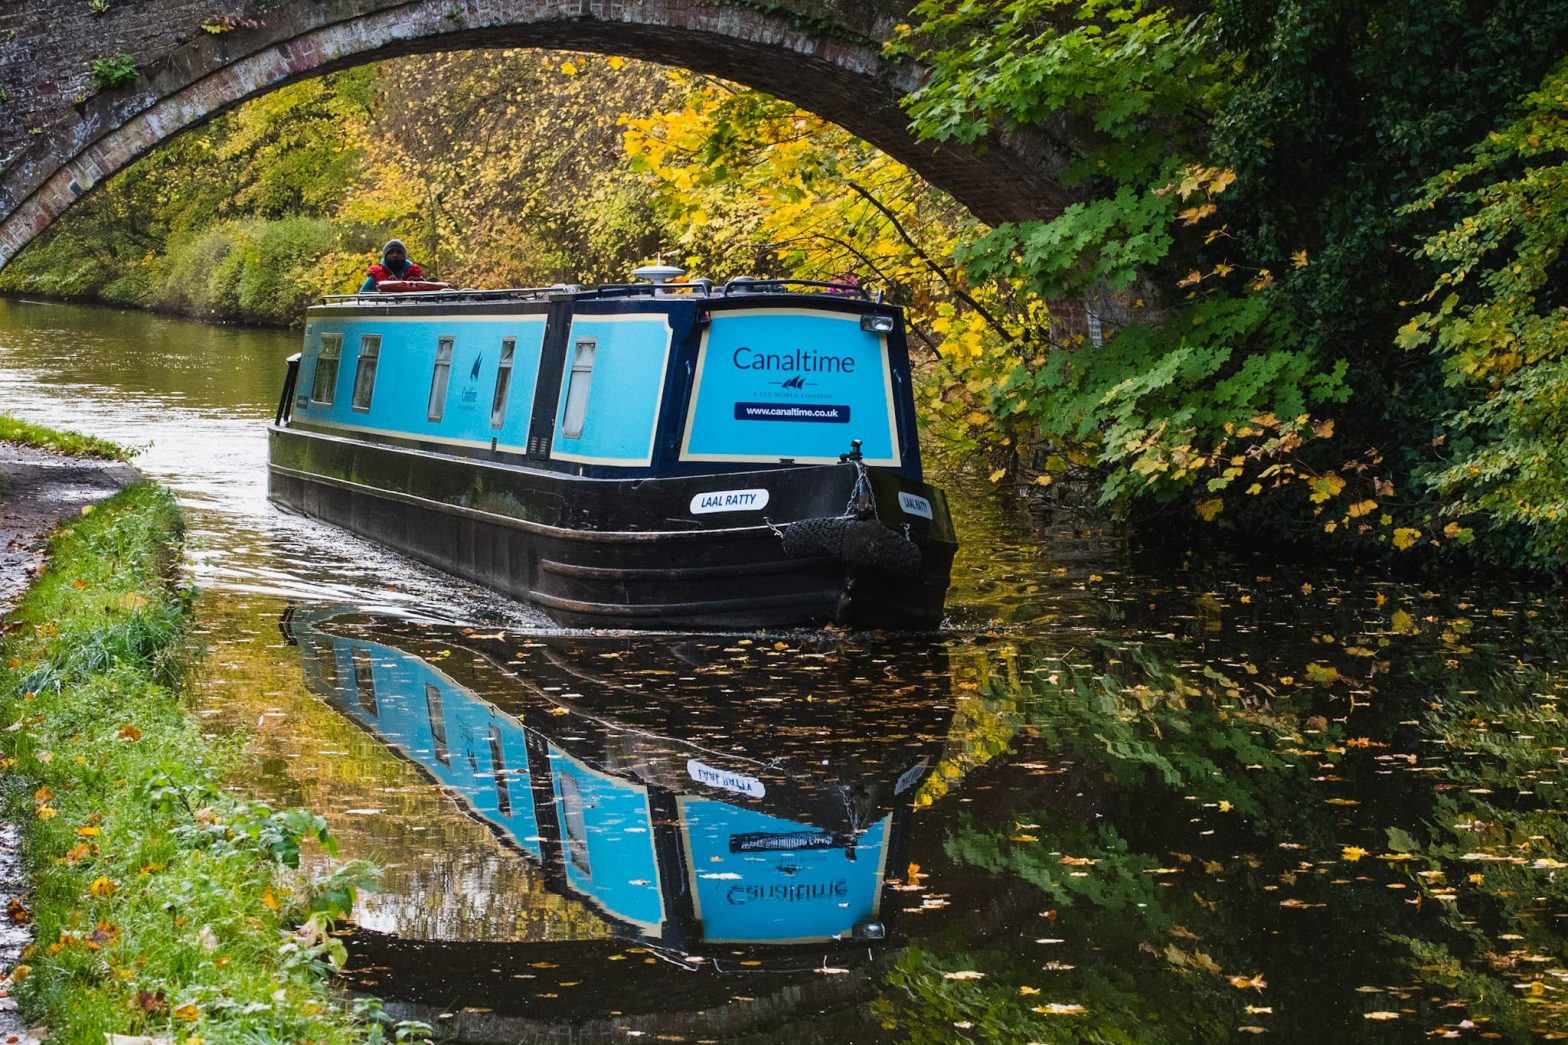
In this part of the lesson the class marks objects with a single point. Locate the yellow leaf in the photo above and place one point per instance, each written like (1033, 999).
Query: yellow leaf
(616, 62)
(997, 475)
(1352, 853)
(1299, 259)
(1380, 1015)
(1027, 991)
(569, 68)
(1323, 673)
(1405, 537)
(101, 886)
(88, 832)
(1192, 279)
(1403, 623)
(1256, 982)
(188, 1011)
(967, 974)
(1060, 1009)
(1210, 509)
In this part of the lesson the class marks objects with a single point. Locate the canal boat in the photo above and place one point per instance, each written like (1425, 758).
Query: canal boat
(647, 455)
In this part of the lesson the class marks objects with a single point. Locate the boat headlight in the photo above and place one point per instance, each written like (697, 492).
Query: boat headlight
(876, 324)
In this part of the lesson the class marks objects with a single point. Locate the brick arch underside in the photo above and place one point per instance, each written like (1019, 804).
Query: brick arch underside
(843, 81)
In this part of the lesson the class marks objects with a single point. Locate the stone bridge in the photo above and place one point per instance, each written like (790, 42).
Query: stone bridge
(61, 135)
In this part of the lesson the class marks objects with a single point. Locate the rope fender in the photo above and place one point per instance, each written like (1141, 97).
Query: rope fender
(860, 543)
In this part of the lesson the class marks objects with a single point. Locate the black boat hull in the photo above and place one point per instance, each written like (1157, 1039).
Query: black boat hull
(835, 544)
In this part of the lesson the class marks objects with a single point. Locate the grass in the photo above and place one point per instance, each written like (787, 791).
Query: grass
(13, 430)
(162, 905)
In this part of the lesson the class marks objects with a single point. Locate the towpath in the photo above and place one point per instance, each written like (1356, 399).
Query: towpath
(38, 490)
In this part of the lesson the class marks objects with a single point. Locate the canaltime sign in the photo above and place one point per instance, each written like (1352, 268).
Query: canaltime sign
(795, 385)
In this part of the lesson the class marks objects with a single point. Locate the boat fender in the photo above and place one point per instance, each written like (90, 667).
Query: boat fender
(857, 542)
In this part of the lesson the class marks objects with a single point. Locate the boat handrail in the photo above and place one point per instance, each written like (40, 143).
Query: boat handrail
(752, 285)
(455, 294)
(652, 289)
(704, 287)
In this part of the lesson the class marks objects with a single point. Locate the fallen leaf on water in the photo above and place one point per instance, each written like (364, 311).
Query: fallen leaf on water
(1256, 982)
(1381, 1014)
(966, 974)
(1060, 1009)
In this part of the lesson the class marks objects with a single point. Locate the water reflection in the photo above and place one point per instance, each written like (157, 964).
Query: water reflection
(638, 775)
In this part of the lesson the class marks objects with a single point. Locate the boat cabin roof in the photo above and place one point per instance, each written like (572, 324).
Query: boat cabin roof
(743, 286)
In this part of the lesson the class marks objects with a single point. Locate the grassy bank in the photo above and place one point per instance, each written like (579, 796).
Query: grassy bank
(162, 906)
(14, 430)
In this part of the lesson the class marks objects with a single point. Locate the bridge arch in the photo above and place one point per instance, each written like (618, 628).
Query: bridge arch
(835, 69)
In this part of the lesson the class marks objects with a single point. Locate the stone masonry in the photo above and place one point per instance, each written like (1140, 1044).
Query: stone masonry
(60, 136)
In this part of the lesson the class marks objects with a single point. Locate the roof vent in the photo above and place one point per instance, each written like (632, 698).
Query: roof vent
(658, 274)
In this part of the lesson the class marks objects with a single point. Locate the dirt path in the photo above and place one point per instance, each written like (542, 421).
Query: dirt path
(38, 490)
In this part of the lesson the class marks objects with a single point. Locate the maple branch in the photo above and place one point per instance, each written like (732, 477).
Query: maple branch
(930, 263)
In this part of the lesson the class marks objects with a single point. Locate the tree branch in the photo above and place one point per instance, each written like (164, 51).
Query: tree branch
(930, 263)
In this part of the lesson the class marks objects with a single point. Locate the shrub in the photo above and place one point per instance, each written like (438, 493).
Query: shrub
(112, 72)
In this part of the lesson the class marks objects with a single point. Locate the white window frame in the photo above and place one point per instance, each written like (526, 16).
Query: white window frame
(440, 378)
(331, 352)
(503, 381)
(578, 385)
(365, 376)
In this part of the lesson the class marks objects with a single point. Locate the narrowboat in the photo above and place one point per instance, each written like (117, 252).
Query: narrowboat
(694, 828)
(647, 455)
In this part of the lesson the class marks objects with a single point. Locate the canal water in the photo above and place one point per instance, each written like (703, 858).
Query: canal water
(1117, 799)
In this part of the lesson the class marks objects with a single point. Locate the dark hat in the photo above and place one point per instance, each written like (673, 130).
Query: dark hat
(393, 243)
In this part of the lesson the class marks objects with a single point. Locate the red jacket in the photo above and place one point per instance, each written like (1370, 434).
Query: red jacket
(380, 273)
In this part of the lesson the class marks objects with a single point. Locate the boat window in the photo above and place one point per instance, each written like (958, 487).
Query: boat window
(437, 720)
(576, 830)
(503, 791)
(438, 379)
(503, 381)
(326, 369)
(365, 680)
(577, 389)
(365, 373)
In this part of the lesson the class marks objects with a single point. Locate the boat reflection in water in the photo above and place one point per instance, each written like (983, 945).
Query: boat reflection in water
(722, 802)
